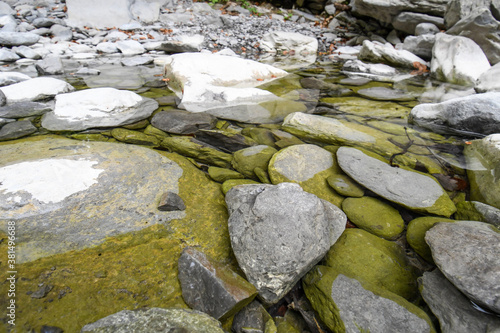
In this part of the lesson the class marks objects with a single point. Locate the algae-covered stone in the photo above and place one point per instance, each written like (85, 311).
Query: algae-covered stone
(345, 186)
(368, 108)
(151, 130)
(307, 165)
(222, 174)
(134, 137)
(381, 262)
(262, 136)
(483, 160)
(413, 190)
(350, 304)
(415, 234)
(246, 160)
(190, 147)
(230, 183)
(338, 132)
(253, 316)
(149, 320)
(374, 216)
(478, 211)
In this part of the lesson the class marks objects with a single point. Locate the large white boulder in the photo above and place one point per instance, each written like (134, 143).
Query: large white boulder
(36, 89)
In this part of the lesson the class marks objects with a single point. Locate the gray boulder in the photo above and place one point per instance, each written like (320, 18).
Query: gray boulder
(482, 28)
(18, 38)
(211, 287)
(408, 21)
(410, 189)
(426, 28)
(468, 254)
(458, 9)
(16, 129)
(455, 312)
(457, 60)
(278, 233)
(478, 211)
(488, 81)
(386, 53)
(182, 122)
(155, 320)
(24, 109)
(420, 45)
(99, 107)
(477, 114)
(50, 65)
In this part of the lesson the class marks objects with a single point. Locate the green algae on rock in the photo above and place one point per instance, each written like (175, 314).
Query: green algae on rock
(368, 108)
(374, 216)
(415, 234)
(345, 186)
(348, 303)
(134, 137)
(220, 175)
(309, 166)
(246, 160)
(362, 255)
(230, 183)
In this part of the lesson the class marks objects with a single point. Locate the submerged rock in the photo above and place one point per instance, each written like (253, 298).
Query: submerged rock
(468, 254)
(286, 229)
(413, 190)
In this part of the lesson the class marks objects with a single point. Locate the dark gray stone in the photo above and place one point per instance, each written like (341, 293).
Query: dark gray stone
(278, 233)
(50, 65)
(42, 292)
(408, 21)
(478, 114)
(4, 121)
(224, 140)
(253, 316)
(24, 109)
(468, 254)
(182, 122)
(171, 201)
(211, 287)
(455, 312)
(173, 46)
(17, 129)
(155, 320)
(18, 38)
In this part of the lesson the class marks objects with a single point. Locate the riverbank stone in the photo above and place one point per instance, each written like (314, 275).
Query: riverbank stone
(468, 252)
(478, 211)
(268, 222)
(374, 216)
(182, 122)
(246, 160)
(345, 186)
(37, 89)
(413, 190)
(348, 304)
(386, 53)
(309, 166)
(16, 129)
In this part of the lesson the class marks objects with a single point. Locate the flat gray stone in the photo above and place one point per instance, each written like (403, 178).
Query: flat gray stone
(8, 78)
(211, 287)
(17, 129)
(50, 186)
(36, 89)
(182, 122)
(8, 56)
(286, 229)
(50, 65)
(385, 94)
(137, 61)
(24, 109)
(410, 189)
(468, 254)
(155, 320)
(26, 52)
(420, 45)
(18, 38)
(130, 47)
(408, 21)
(455, 312)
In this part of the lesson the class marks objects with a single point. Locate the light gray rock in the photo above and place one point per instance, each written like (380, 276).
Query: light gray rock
(99, 107)
(146, 11)
(455, 312)
(26, 52)
(478, 211)
(408, 21)
(386, 11)
(426, 28)
(8, 56)
(24, 109)
(8, 78)
(36, 89)
(130, 47)
(211, 287)
(106, 47)
(43, 22)
(281, 41)
(357, 66)
(137, 61)
(149, 320)
(49, 187)
(176, 18)
(5, 9)
(385, 94)
(88, 71)
(182, 122)
(413, 190)
(95, 13)
(18, 38)
(468, 254)
(478, 113)
(61, 33)
(457, 60)
(458, 9)
(488, 81)
(8, 23)
(16, 129)
(183, 43)
(420, 45)
(386, 53)
(482, 28)
(286, 229)
(50, 65)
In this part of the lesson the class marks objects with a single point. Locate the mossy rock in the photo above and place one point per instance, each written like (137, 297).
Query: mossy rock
(374, 216)
(222, 174)
(190, 147)
(229, 184)
(477, 211)
(368, 108)
(362, 255)
(151, 130)
(262, 136)
(415, 234)
(246, 160)
(91, 137)
(130, 271)
(345, 186)
(134, 137)
(349, 303)
(309, 166)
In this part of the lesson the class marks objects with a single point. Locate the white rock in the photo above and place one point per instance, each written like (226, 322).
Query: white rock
(96, 13)
(146, 11)
(376, 52)
(106, 47)
(130, 47)
(35, 89)
(489, 80)
(457, 60)
(280, 42)
(7, 78)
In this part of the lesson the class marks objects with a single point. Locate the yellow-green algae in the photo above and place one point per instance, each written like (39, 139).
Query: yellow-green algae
(318, 288)
(415, 234)
(368, 108)
(134, 137)
(130, 271)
